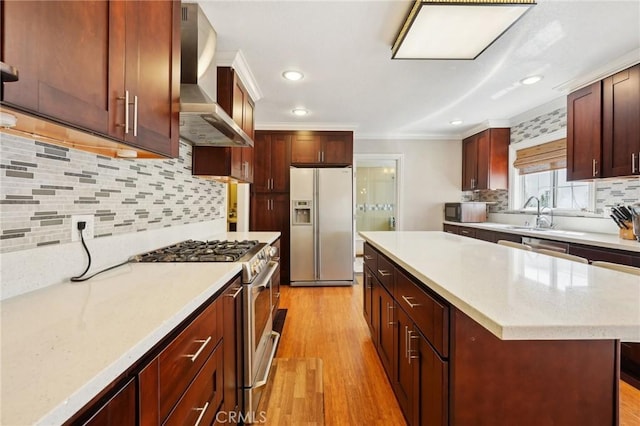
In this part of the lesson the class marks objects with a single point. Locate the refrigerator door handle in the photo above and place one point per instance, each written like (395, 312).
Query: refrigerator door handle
(316, 224)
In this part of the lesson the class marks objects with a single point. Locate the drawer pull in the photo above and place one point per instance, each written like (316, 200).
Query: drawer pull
(202, 411)
(411, 305)
(367, 257)
(204, 343)
(234, 295)
(384, 272)
(406, 341)
(389, 309)
(409, 350)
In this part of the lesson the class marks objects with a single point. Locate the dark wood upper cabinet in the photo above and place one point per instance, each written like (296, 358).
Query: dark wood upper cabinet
(107, 67)
(233, 162)
(584, 137)
(322, 148)
(485, 158)
(272, 160)
(621, 123)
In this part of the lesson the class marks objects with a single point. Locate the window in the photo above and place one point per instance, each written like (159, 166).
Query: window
(553, 190)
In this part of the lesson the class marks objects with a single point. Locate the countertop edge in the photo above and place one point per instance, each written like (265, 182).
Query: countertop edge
(501, 227)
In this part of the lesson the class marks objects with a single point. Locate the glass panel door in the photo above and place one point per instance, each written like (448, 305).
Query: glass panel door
(375, 195)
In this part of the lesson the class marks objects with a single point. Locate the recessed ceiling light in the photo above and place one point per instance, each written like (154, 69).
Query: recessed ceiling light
(293, 75)
(455, 122)
(531, 80)
(300, 112)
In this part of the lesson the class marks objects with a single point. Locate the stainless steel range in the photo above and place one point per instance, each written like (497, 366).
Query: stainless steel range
(259, 264)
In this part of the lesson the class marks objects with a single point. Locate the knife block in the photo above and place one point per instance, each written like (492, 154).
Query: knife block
(627, 234)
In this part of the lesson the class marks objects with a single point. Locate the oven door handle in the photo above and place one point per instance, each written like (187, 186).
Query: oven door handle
(265, 281)
(263, 381)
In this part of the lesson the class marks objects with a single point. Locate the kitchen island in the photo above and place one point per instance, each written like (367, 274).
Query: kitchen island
(64, 344)
(478, 333)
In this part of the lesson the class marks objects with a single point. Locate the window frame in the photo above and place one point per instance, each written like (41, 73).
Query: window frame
(516, 185)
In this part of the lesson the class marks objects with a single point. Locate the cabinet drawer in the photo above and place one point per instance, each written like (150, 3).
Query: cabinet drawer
(370, 257)
(201, 401)
(430, 316)
(386, 273)
(468, 232)
(183, 358)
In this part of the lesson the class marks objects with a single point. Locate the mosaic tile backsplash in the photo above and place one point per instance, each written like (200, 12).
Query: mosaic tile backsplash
(42, 186)
(546, 123)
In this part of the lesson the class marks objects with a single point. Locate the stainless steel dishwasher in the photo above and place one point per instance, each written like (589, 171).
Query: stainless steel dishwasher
(537, 243)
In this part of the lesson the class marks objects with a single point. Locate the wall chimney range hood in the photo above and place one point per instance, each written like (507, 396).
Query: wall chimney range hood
(202, 121)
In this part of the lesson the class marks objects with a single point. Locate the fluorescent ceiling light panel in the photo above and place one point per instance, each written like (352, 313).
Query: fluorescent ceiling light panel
(455, 29)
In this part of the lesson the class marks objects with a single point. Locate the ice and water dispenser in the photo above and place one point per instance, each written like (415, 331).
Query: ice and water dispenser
(301, 212)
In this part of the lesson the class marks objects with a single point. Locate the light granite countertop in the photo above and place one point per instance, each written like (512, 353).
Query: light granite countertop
(63, 344)
(612, 241)
(516, 294)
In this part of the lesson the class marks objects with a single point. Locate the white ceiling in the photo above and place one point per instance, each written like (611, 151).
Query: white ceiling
(351, 82)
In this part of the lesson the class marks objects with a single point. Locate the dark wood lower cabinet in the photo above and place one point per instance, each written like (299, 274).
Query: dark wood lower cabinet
(385, 306)
(367, 306)
(447, 369)
(119, 410)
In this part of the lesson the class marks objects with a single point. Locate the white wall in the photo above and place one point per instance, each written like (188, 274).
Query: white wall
(430, 177)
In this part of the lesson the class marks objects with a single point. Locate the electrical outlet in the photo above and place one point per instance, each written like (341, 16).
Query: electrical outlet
(88, 230)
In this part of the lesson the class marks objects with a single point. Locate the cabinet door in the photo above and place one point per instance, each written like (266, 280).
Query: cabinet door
(467, 232)
(386, 330)
(621, 123)
(247, 164)
(431, 386)
(262, 150)
(280, 211)
(61, 77)
(583, 132)
(153, 73)
(119, 410)
(280, 162)
(483, 154)
(404, 369)
(469, 163)
(305, 148)
(367, 288)
(337, 149)
(451, 229)
(232, 337)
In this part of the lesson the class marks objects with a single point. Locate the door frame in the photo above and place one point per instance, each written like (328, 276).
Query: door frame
(399, 159)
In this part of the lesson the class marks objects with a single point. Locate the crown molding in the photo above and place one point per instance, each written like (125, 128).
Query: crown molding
(612, 67)
(306, 126)
(238, 62)
(408, 137)
(487, 124)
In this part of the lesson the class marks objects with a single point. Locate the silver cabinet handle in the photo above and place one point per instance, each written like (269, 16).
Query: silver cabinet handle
(384, 272)
(234, 295)
(202, 411)
(199, 351)
(594, 164)
(368, 280)
(319, 158)
(406, 342)
(125, 98)
(633, 162)
(473, 183)
(322, 156)
(367, 257)
(135, 116)
(409, 350)
(389, 308)
(411, 305)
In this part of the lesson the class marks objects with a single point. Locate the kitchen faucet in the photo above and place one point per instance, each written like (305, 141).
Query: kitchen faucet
(541, 221)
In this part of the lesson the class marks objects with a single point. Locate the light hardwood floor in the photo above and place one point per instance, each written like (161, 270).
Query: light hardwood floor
(327, 323)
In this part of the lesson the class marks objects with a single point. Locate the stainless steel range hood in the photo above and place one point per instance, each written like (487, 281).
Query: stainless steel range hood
(202, 121)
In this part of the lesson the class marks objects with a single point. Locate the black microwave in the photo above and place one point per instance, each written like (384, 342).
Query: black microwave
(465, 212)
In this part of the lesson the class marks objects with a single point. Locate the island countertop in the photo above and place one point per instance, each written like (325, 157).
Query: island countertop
(516, 294)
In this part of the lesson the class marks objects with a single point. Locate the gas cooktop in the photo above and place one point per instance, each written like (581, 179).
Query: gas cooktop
(202, 251)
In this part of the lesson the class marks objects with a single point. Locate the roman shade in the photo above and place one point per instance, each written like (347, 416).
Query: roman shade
(540, 158)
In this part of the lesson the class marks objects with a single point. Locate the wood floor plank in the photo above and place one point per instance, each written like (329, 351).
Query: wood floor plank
(327, 323)
(629, 405)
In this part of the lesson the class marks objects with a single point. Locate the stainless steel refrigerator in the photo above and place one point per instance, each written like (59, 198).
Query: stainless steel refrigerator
(321, 226)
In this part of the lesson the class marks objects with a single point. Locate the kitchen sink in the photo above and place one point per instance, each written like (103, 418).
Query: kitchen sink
(528, 228)
(546, 230)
